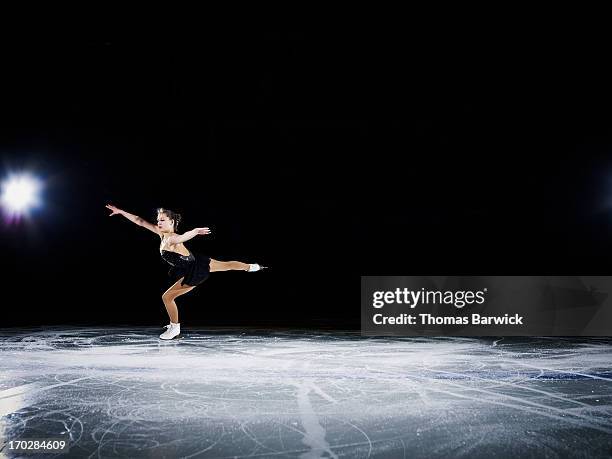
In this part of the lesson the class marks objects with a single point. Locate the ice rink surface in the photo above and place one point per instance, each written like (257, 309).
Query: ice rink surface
(121, 392)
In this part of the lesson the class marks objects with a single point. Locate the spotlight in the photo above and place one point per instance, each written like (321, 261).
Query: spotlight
(20, 193)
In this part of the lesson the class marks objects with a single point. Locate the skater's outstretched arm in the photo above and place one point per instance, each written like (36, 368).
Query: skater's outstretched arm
(134, 219)
(180, 238)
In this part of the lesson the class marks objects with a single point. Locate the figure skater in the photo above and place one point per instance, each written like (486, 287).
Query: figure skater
(187, 270)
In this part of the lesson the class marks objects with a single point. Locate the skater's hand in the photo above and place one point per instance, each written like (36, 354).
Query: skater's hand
(115, 211)
(201, 231)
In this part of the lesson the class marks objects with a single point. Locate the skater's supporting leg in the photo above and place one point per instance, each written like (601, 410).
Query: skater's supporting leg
(171, 294)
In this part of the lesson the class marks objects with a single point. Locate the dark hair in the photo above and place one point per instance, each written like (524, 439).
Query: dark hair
(171, 215)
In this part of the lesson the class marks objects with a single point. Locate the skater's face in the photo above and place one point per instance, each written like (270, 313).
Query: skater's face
(164, 224)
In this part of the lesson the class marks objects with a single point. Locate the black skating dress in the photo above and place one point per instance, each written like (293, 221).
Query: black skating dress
(194, 270)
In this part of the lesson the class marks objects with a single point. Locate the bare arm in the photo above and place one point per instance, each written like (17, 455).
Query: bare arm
(180, 238)
(134, 219)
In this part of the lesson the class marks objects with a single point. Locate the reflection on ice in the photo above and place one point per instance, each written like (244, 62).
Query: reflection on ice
(235, 393)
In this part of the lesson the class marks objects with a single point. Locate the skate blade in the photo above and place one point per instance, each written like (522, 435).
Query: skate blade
(179, 336)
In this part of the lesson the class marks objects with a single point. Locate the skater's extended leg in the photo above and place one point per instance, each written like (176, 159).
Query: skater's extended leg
(216, 265)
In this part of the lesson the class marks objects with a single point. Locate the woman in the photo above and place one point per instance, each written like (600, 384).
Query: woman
(187, 270)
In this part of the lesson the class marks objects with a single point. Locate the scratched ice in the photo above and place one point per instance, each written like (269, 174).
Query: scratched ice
(259, 393)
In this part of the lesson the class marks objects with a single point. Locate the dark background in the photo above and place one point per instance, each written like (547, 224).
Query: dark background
(324, 156)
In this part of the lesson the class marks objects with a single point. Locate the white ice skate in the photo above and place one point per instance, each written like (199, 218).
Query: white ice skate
(173, 330)
(255, 267)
